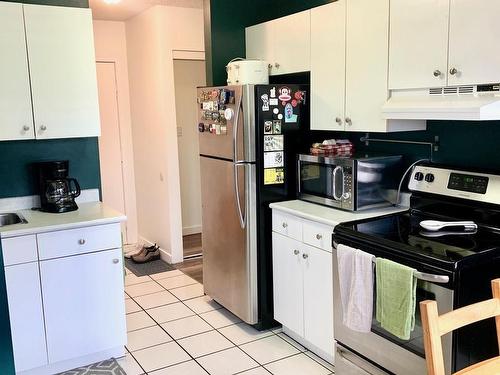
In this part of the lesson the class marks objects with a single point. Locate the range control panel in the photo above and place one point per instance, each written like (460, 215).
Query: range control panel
(456, 183)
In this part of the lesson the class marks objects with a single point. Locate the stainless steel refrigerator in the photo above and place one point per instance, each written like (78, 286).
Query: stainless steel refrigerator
(249, 136)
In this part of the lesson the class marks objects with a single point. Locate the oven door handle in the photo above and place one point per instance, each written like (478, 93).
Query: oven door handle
(438, 279)
(336, 170)
(433, 278)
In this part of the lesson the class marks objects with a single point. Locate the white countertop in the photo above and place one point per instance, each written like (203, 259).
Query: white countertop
(328, 215)
(88, 214)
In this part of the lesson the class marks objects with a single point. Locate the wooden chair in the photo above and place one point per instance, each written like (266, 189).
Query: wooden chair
(435, 326)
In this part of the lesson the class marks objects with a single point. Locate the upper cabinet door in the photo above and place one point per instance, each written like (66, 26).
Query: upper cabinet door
(418, 43)
(63, 71)
(366, 64)
(259, 42)
(16, 119)
(474, 36)
(292, 43)
(328, 66)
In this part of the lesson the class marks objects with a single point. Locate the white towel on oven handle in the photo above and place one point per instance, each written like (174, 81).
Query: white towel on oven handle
(356, 287)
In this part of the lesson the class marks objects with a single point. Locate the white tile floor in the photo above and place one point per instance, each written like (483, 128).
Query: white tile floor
(174, 329)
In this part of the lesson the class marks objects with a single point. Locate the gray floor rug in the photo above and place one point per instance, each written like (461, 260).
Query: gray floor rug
(150, 268)
(107, 367)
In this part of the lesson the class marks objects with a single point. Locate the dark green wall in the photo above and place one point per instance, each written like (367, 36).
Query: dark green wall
(469, 144)
(16, 173)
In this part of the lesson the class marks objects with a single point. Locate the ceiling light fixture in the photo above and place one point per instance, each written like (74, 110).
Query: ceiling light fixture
(112, 1)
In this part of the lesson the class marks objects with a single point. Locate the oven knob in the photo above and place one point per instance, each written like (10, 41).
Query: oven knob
(346, 196)
(429, 177)
(419, 176)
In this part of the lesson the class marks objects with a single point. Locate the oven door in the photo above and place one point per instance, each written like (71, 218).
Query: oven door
(387, 351)
(325, 181)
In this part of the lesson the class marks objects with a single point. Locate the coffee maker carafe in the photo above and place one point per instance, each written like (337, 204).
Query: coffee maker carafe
(57, 191)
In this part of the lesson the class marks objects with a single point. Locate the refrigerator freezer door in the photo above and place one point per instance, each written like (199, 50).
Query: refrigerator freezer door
(229, 252)
(230, 141)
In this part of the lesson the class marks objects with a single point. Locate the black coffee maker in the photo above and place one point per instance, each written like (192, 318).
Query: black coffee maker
(57, 191)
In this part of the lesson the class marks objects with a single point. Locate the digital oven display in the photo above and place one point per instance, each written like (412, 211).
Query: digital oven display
(469, 183)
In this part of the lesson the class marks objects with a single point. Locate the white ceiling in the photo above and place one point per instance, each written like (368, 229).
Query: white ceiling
(126, 9)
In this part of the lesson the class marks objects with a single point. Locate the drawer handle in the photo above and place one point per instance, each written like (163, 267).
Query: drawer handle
(305, 256)
(284, 225)
(81, 241)
(115, 261)
(319, 236)
(296, 252)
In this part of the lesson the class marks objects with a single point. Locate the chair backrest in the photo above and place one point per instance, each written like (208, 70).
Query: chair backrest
(435, 325)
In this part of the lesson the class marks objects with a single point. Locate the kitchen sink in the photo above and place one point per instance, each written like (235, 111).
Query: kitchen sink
(11, 218)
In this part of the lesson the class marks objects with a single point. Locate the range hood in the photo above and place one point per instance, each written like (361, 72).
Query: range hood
(469, 103)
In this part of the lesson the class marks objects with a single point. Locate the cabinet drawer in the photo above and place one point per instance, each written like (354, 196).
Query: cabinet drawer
(19, 250)
(318, 235)
(79, 241)
(287, 225)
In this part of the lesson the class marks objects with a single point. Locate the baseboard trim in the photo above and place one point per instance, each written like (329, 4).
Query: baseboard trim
(195, 229)
(329, 357)
(56, 368)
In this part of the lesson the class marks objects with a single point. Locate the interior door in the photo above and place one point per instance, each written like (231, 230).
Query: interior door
(474, 33)
(61, 54)
(328, 66)
(110, 150)
(288, 283)
(26, 316)
(418, 44)
(16, 120)
(318, 298)
(227, 257)
(366, 64)
(78, 320)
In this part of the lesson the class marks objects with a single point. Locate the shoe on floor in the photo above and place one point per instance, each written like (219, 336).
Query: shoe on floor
(147, 256)
(138, 250)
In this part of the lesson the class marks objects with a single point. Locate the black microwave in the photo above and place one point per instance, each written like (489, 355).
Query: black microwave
(349, 183)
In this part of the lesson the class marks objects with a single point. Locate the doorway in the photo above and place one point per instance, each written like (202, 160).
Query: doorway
(188, 75)
(110, 149)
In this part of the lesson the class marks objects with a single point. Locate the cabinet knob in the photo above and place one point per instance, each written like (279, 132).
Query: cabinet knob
(81, 241)
(43, 128)
(26, 128)
(319, 236)
(269, 66)
(348, 121)
(453, 71)
(284, 225)
(276, 65)
(437, 73)
(115, 261)
(305, 256)
(338, 120)
(296, 252)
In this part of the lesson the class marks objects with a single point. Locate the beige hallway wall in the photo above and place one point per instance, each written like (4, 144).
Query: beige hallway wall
(188, 74)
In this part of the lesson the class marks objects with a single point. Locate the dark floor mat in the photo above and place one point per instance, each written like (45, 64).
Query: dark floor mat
(150, 268)
(108, 367)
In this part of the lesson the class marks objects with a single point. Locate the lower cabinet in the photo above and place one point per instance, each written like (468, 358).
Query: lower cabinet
(303, 292)
(26, 316)
(84, 310)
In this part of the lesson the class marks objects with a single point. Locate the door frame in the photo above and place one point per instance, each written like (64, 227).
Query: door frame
(126, 150)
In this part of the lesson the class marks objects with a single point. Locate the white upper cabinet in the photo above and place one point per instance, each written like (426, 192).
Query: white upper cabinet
(473, 45)
(284, 43)
(63, 71)
(328, 66)
(367, 36)
(292, 38)
(16, 120)
(418, 43)
(259, 42)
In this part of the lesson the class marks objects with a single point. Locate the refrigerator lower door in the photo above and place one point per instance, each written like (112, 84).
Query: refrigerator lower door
(230, 251)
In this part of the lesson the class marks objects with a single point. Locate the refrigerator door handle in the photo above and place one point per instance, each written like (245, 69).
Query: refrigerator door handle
(241, 215)
(235, 130)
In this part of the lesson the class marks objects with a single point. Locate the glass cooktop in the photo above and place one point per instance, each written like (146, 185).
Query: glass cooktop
(404, 233)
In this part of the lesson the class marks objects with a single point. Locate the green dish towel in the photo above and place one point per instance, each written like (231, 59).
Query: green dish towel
(396, 297)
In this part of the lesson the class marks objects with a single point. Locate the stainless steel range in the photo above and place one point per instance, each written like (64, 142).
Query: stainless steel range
(454, 264)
